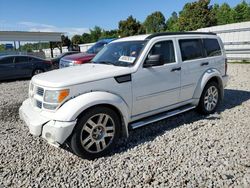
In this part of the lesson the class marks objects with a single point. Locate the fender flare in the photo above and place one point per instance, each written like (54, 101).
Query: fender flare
(75, 106)
(208, 75)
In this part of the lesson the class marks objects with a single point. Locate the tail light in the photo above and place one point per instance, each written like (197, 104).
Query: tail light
(226, 66)
(49, 62)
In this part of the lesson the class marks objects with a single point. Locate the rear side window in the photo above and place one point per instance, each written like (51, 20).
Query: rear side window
(165, 49)
(212, 47)
(21, 59)
(190, 49)
(6, 60)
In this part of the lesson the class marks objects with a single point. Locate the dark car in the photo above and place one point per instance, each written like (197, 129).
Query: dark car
(55, 61)
(22, 66)
(86, 57)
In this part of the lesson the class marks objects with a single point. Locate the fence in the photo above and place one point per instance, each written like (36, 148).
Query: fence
(236, 39)
(56, 51)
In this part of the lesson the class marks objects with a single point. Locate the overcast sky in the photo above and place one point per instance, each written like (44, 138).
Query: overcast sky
(77, 16)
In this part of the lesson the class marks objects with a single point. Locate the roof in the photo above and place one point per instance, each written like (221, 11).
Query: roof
(30, 36)
(150, 36)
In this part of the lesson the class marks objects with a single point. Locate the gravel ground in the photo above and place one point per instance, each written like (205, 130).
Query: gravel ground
(188, 150)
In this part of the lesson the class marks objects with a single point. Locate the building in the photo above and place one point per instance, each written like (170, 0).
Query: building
(236, 39)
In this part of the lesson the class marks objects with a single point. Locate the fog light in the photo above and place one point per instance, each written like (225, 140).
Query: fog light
(50, 106)
(49, 137)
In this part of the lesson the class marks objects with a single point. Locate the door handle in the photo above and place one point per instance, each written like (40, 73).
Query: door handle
(204, 64)
(176, 69)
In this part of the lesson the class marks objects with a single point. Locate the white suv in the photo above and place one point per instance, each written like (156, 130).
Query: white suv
(131, 82)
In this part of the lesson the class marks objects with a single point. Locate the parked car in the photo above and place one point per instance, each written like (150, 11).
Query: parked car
(131, 83)
(55, 61)
(81, 58)
(22, 66)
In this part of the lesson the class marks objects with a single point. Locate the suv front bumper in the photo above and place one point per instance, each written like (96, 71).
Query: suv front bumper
(55, 132)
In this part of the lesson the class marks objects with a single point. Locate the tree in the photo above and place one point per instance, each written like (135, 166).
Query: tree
(155, 22)
(130, 27)
(65, 41)
(196, 15)
(242, 12)
(172, 23)
(86, 38)
(96, 33)
(76, 39)
(223, 14)
(110, 34)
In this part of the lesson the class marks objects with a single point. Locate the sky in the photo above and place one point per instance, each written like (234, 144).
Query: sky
(78, 16)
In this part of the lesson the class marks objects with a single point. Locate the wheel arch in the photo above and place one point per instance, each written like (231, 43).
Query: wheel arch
(76, 107)
(211, 75)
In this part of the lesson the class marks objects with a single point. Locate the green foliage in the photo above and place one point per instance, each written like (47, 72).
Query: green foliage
(96, 33)
(86, 38)
(196, 15)
(130, 27)
(155, 23)
(76, 39)
(242, 12)
(223, 14)
(2, 47)
(172, 23)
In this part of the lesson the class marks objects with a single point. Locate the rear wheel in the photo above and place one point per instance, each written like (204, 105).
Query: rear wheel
(37, 71)
(210, 98)
(95, 133)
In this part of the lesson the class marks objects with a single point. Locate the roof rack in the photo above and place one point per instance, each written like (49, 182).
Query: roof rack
(179, 33)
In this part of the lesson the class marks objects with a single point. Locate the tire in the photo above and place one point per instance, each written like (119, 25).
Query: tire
(37, 71)
(210, 99)
(95, 133)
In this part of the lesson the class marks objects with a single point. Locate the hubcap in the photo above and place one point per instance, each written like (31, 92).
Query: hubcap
(97, 133)
(37, 72)
(211, 98)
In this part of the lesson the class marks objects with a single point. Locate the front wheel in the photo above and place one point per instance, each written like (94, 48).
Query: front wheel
(210, 98)
(95, 133)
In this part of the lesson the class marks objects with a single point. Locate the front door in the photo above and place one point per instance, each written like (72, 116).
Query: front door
(157, 87)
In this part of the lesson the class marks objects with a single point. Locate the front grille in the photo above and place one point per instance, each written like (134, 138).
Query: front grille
(40, 91)
(39, 104)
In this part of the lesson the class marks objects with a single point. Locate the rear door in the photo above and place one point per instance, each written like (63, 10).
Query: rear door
(193, 66)
(23, 66)
(7, 69)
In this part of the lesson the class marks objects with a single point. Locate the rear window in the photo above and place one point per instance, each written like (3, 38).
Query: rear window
(190, 49)
(6, 60)
(212, 47)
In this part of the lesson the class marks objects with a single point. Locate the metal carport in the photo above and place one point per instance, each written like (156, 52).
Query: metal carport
(27, 36)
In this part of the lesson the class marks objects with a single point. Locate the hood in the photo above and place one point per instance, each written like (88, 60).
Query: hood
(78, 74)
(79, 57)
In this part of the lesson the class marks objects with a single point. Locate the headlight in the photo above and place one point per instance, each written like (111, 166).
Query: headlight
(55, 96)
(31, 90)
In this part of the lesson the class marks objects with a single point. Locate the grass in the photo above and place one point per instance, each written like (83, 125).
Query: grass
(239, 62)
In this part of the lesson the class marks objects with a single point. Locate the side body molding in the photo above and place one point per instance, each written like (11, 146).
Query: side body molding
(210, 73)
(74, 107)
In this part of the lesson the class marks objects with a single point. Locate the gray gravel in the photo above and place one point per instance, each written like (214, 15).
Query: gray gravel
(188, 150)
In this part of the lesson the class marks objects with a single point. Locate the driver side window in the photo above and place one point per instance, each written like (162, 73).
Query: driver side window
(165, 49)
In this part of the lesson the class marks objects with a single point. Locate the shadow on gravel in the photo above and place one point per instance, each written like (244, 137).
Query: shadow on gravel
(148, 133)
(10, 112)
(14, 80)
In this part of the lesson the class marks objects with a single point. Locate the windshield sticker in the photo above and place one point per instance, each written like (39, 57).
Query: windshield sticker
(127, 59)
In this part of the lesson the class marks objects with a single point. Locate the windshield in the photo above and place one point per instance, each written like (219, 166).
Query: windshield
(120, 53)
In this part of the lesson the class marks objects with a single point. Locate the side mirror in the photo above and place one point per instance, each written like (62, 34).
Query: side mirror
(153, 60)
